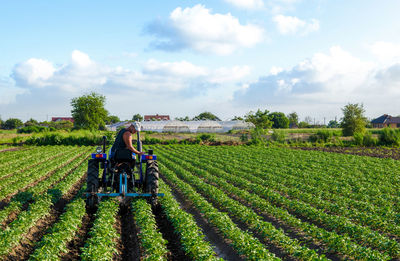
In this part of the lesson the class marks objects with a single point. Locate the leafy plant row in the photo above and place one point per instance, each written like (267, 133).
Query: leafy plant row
(37, 210)
(153, 245)
(342, 225)
(236, 209)
(370, 218)
(103, 236)
(190, 235)
(331, 241)
(27, 177)
(18, 201)
(26, 160)
(243, 242)
(55, 242)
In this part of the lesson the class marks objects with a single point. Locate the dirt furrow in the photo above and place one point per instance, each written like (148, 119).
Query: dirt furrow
(219, 244)
(128, 243)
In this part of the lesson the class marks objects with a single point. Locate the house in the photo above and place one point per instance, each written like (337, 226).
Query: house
(55, 119)
(156, 117)
(386, 121)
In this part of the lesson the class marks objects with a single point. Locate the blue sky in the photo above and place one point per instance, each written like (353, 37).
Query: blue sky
(185, 57)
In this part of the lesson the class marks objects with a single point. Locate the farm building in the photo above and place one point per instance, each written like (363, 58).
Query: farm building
(156, 117)
(187, 126)
(386, 121)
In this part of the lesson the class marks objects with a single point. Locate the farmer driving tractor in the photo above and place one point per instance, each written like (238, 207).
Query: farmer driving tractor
(122, 148)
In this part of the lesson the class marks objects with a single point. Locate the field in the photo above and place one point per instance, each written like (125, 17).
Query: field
(221, 202)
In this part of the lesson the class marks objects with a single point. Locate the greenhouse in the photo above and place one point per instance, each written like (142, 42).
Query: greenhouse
(187, 126)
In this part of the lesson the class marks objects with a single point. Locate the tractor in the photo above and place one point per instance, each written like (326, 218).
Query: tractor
(120, 179)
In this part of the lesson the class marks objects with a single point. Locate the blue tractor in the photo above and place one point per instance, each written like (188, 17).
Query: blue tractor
(120, 179)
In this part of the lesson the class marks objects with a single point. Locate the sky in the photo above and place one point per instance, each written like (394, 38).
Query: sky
(182, 58)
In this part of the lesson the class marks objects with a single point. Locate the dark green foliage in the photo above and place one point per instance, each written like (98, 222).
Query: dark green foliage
(333, 124)
(32, 129)
(364, 139)
(353, 119)
(237, 118)
(81, 138)
(186, 118)
(206, 116)
(88, 111)
(304, 125)
(279, 119)
(244, 137)
(293, 118)
(137, 117)
(259, 118)
(207, 137)
(390, 136)
(112, 119)
(31, 122)
(12, 123)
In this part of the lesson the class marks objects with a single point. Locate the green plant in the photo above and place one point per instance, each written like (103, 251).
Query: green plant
(278, 136)
(390, 136)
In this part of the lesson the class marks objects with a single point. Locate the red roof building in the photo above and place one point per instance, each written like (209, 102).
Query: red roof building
(156, 117)
(62, 119)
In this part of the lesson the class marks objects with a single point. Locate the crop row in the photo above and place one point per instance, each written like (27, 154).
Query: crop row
(243, 242)
(190, 235)
(237, 210)
(55, 242)
(40, 208)
(378, 221)
(19, 200)
(20, 181)
(153, 245)
(334, 242)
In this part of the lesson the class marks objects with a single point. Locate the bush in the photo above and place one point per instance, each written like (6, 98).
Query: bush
(207, 137)
(390, 136)
(364, 139)
(244, 137)
(279, 136)
(32, 129)
(81, 138)
(323, 135)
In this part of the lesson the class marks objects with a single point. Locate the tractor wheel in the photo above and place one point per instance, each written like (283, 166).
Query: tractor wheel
(92, 200)
(92, 180)
(151, 180)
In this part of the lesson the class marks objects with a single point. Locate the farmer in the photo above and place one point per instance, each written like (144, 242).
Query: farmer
(122, 149)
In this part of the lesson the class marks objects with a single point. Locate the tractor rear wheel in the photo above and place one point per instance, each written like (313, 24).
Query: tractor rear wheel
(92, 180)
(151, 179)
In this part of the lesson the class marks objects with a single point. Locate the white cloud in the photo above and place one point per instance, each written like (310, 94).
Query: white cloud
(324, 83)
(386, 52)
(198, 29)
(180, 69)
(8, 92)
(292, 25)
(34, 71)
(247, 4)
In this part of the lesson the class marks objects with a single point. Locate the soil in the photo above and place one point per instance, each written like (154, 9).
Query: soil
(128, 243)
(378, 152)
(167, 230)
(212, 235)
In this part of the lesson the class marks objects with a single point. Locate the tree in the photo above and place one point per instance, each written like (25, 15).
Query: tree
(259, 118)
(111, 119)
(279, 119)
(206, 116)
(31, 122)
(237, 118)
(353, 120)
(1, 123)
(186, 118)
(293, 118)
(12, 123)
(333, 124)
(88, 111)
(137, 117)
(304, 124)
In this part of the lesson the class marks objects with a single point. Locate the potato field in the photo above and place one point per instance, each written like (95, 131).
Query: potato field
(220, 203)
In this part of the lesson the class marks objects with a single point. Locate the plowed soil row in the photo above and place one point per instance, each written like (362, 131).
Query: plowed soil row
(378, 152)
